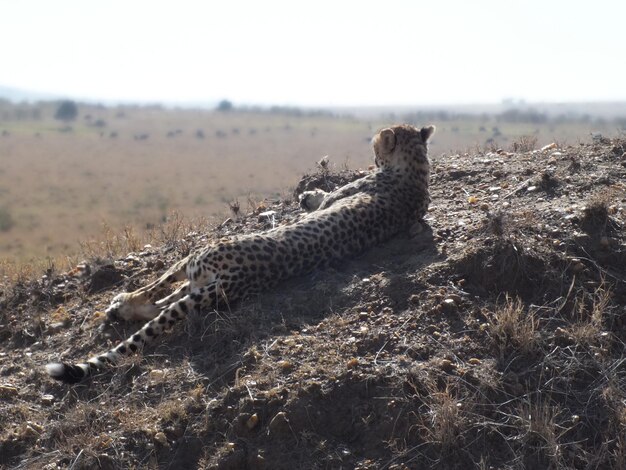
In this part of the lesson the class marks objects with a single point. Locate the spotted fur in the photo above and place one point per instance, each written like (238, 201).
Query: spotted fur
(342, 223)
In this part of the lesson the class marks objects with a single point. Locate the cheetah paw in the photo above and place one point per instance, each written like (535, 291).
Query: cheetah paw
(311, 200)
(124, 307)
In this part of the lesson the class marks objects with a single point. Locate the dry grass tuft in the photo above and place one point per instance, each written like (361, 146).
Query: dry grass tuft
(235, 208)
(548, 181)
(525, 143)
(111, 244)
(496, 223)
(592, 316)
(599, 215)
(596, 214)
(445, 418)
(538, 420)
(513, 330)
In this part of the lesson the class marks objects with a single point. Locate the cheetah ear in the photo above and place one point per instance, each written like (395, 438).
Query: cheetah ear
(427, 133)
(388, 140)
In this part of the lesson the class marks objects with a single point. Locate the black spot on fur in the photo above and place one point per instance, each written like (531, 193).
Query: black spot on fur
(104, 359)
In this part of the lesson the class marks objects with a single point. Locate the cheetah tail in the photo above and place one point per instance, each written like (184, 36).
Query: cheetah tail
(74, 373)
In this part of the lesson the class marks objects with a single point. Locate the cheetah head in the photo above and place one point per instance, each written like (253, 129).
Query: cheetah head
(398, 144)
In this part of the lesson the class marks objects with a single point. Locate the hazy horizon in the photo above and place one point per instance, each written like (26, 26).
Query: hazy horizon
(323, 55)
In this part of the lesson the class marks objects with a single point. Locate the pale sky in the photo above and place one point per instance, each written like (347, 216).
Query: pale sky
(317, 53)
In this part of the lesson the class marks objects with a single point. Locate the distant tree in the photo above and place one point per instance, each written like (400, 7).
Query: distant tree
(67, 111)
(225, 105)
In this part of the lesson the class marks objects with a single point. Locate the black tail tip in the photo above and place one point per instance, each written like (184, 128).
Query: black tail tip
(66, 373)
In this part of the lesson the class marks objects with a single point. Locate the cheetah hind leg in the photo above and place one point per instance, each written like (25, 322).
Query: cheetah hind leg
(175, 312)
(179, 293)
(140, 304)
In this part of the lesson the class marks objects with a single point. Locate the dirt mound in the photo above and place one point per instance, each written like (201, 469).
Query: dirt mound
(494, 338)
(495, 266)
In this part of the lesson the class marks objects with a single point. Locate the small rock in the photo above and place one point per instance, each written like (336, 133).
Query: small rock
(560, 332)
(363, 330)
(161, 439)
(577, 267)
(352, 363)
(47, 399)
(562, 336)
(252, 421)
(38, 428)
(81, 270)
(447, 365)
(29, 431)
(531, 189)
(157, 374)
(549, 146)
(449, 304)
(279, 424)
(285, 365)
(8, 391)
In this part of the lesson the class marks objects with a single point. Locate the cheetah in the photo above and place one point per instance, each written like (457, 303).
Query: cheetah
(340, 224)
